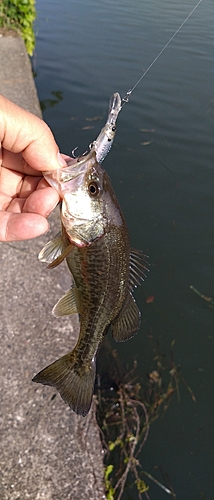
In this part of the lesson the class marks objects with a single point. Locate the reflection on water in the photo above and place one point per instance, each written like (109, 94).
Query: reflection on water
(49, 103)
(161, 167)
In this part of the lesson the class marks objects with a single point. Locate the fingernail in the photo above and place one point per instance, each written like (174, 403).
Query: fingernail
(48, 212)
(61, 160)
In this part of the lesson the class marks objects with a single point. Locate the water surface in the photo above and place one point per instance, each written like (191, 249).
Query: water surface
(161, 167)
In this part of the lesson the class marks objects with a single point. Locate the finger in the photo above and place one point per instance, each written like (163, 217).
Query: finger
(42, 201)
(10, 182)
(16, 184)
(21, 131)
(16, 163)
(14, 227)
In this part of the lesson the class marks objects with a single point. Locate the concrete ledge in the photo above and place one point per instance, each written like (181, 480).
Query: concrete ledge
(46, 451)
(16, 80)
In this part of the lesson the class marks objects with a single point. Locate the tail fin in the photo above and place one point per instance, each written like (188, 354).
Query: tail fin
(75, 383)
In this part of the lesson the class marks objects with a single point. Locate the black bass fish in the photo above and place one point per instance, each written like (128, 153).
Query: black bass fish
(95, 242)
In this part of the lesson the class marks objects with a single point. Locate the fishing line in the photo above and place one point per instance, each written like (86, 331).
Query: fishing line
(126, 98)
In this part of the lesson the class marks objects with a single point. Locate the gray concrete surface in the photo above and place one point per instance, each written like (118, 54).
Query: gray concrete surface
(46, 451)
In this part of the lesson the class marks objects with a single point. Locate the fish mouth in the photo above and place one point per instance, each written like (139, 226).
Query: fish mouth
(64, 180)
(70, 177)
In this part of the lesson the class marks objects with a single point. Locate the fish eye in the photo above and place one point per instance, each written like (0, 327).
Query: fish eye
(113, 129)
(93, 188)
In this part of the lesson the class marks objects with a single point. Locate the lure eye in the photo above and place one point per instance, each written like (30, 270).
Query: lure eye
(93, 189)
(113, 129)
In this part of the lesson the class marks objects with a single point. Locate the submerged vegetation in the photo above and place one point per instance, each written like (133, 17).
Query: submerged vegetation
(20, 16)
(125, 411)
(55, 99)
(209, 300)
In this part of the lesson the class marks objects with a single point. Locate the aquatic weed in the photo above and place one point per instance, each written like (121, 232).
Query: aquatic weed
(126, 409)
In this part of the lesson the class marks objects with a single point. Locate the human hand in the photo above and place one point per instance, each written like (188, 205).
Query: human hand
(27, 147)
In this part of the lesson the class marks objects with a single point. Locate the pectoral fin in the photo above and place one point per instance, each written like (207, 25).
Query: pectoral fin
(127, 323)
(52, 250)
(61, 257)
(68, 304)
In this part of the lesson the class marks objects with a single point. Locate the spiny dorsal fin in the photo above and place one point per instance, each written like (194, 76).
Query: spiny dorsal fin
(127, 322)
(68, 304)
(61, 257)
(138, 266)
(52, 249)
(75, 383)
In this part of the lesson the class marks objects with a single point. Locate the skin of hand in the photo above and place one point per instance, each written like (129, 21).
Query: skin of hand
(27, 147)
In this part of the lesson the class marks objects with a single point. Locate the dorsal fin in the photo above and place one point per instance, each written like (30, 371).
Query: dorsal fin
(138, 266)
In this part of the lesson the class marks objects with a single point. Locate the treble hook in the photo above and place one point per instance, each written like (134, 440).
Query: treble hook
(83, 154)
(73, 153)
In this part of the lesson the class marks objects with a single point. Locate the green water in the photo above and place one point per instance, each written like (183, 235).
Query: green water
(161, 167)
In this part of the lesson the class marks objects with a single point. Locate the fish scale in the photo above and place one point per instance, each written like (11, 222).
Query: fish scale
(101, 290)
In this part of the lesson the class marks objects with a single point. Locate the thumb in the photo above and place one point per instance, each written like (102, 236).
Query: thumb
(22, 132)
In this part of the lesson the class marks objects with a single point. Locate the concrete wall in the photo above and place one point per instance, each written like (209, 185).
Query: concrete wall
(46, 451)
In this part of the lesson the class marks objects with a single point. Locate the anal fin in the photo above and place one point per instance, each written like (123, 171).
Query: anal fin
(127, 323)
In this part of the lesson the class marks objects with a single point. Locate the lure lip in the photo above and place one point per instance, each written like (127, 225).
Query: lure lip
(114, 108)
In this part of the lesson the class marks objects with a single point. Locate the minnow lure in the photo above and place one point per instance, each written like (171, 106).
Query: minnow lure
(104, 141)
